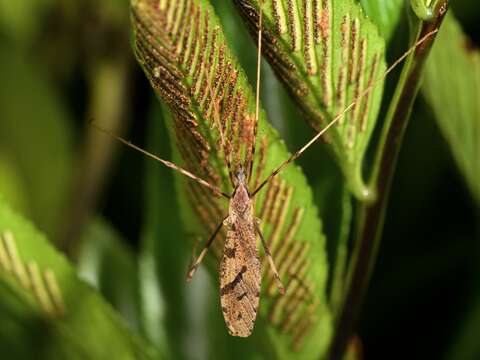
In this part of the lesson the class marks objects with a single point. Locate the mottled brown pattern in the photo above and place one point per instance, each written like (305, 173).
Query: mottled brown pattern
(326, 61)
(366, 100)
(327, 70)
(292, 23)
(240, 275)
(188, 66)
(191, 70)
(277, 9)
(354, 44)
(344, 60)
(308, 39)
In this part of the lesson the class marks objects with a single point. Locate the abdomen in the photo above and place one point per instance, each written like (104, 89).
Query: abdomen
(240, 278)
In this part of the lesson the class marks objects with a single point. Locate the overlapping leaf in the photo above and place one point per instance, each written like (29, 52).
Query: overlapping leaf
(42, 168)
(106, 263)
(182, 50)
(327, 53)
(46, 311)
(385, 13)
(163, 261)
(452, 87)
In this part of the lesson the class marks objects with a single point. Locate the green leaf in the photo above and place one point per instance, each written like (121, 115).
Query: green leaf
(335, 207)
(237, 37)
(465, 343)
(326, 53)
(164, 255)
(107, 264)
(36, 139)
(340, 254)
(385, 14)
(181, 48)
(21, 20)
(11, 186)
(49, 307)
(452, 88)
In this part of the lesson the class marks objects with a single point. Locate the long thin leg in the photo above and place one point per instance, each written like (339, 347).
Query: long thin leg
(196, 242)
(280, 286)
(197, 262)
(341, 114)
(168, 164)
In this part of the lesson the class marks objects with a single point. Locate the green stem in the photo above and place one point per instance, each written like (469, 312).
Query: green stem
(423, 10)
(109, 83)
(370, 217)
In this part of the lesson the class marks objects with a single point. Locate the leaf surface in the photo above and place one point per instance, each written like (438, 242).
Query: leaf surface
(36, 139)
(385, 14)
(182, 50)
(50, 308)
(109, 265)
(327, 53)
(452, 88)
(163, 259)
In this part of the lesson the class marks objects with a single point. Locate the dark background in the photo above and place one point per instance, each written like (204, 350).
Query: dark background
(427, 275)
(427, 278)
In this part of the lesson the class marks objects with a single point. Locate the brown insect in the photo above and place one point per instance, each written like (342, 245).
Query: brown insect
(240, 266)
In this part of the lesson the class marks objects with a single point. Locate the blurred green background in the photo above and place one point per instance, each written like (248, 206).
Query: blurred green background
(64, 62)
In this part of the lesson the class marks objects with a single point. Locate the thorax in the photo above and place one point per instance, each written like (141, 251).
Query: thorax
(241, 205)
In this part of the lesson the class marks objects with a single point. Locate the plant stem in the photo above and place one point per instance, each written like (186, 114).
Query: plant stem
(370, 217)
(109, 84)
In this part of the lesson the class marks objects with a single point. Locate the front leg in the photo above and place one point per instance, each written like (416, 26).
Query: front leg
(205, 249)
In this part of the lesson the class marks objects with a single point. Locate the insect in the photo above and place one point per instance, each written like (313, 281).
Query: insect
(240, 266)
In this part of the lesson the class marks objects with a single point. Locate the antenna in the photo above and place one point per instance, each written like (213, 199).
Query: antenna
(342, 113)
(168, 164)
